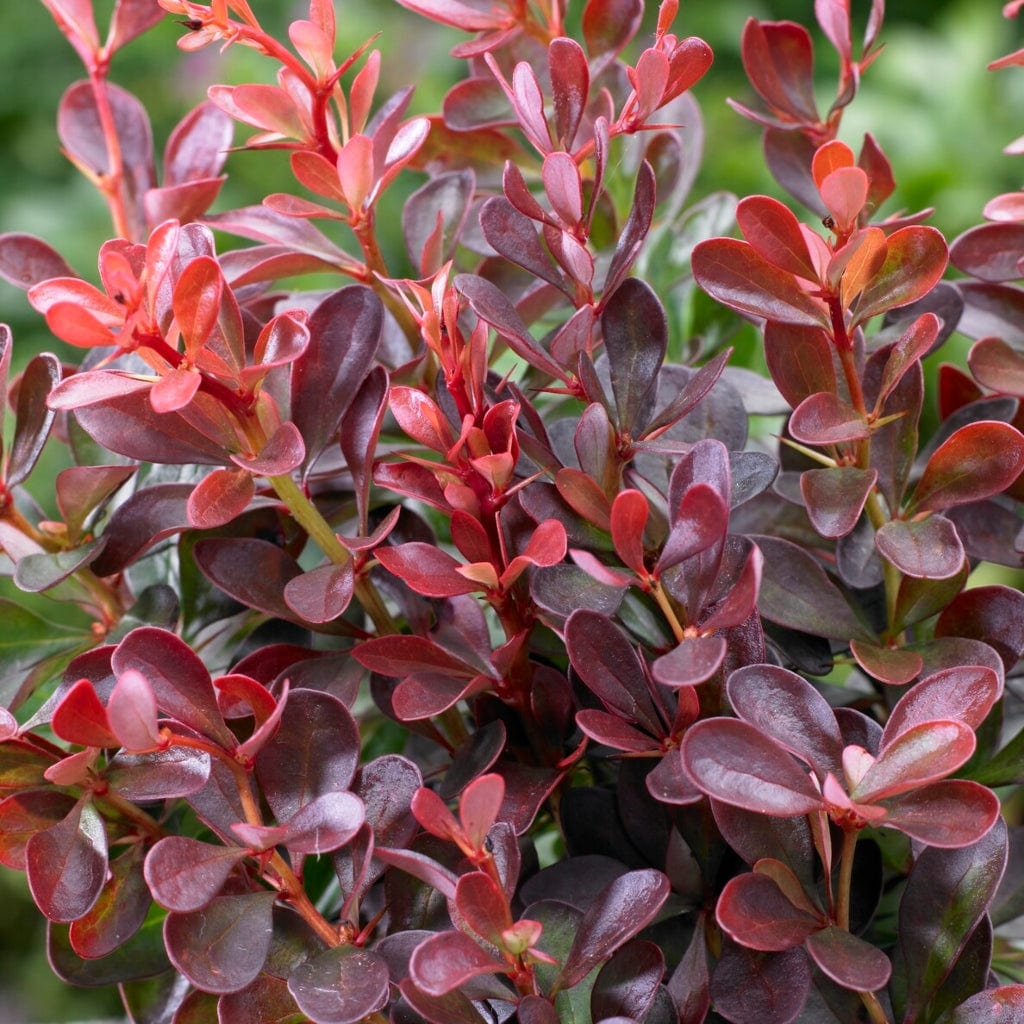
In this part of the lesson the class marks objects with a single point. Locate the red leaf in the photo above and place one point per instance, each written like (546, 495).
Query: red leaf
(479, 806)
(692, 661)
(343, 985)
(132, 713)
(779, 61)
(800, 360)
(325, 823)
(608, 25)
(891, 665)
(976, 462)
(832, 156)
(220, 497)
(844, 192)
(735, 274)
(914, 263)
(628, 519)
(570, 85)
(80, 717)
(25, 813)
(913, 345)
(426, 569)
(998, 366)
(774, 232)
(196, 302)
(483, 905)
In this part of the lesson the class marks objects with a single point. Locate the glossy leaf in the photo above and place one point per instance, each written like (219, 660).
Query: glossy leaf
(734, 762)
(119, 912)
(622, 909)
(447, 961)
(222, 946)
(340, 986)
(756, 913)
(835, 497)
(978, 460)
(185, 874)
(823, 419)
(34, 417)
(848, 960)
(66, 864)
(927, 548)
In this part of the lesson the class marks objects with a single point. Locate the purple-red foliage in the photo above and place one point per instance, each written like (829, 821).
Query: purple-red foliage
(454, 651)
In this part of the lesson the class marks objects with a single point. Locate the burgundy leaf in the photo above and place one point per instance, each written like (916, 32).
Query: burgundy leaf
(131, 19)
(81, 490)
(892, 665)
(755, 912)
(341, 985)
(344, 332)
(800, 360)
(770, 988)
(22, 815)
(66, 864)
(403, 655)
(222, 946)
(915, 261)
(325, 823)
(993, 614)
(623, 908)
(26, 261)
(835, 497)
(315, 751)
(823, 419)
(778, 59)
(635, 337)
(570, 85)
(635, 229)
(928, 548)
(629, 514)
(790, 711)
(989, 1006)
(447, 961)
(163, 775)
(185, 874)
(180, 681)
(146, 517)
(734, 762)
(914, 344)
(321, 594)
(977, 461)
(220, 497)
(916, 756)
(627, 984)
(613, 731)
(997, 366)
(34, 417)
(610, 667)
(198, 145)
(119, 912)
(692, 661)
(608, 25)
(990, 252)
(949, 814)
(283, 452)
(228, 562)
(965, 694)
(848, 960)
(483, 906)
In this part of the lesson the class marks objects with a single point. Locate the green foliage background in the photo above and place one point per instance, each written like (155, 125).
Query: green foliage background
(939, 115)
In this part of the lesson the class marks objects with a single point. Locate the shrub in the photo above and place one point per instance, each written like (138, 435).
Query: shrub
(461, 646)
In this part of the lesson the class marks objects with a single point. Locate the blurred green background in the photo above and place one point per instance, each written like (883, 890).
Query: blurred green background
(940, 116)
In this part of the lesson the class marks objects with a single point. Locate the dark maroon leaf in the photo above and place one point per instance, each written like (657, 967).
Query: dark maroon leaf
(835, 497)
(623, 908)
(914, 344)
(439, 205)
(635, 337)
(146, 517)
(848, 960)
(515, 237)
(570, 85)
(315, 751)
(341, 986)
(222, 947)
(692, 661)
(788, 709)
(198, 146)
(635, 229)
(66, 864)
(627, 984)
(948, 814)
(993, 614)
(947, 893)
(770, 988)
(990, 252)
(608, 25)
(451, 1008)
(610, 667)
(734, 762)
(795, 592)
(228, 562)
(926, 548)
(185, 874)
(755, 912)
(22, 815)
(325, 823)
(180, 681)
(344, 333)
(165, 775)
(34, 418)
(118, 913)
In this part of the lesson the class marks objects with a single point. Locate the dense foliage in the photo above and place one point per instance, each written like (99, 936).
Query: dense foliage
(463, 647)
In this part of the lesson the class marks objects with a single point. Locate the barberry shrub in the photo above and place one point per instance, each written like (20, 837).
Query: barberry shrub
(456, 650)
